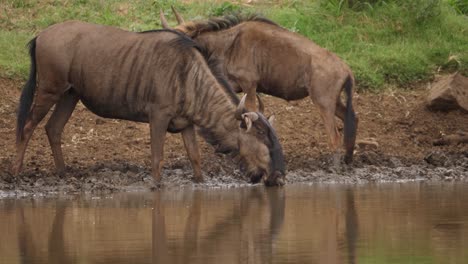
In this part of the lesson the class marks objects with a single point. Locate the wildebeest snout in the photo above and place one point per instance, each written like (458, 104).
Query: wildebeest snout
(277, 178)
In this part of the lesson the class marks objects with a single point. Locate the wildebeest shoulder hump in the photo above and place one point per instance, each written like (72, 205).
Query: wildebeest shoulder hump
(184, 42)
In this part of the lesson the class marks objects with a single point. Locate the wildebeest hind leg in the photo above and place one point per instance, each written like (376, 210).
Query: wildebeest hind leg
(159, 122)
(191, 145)
(42, 104)
(54, 127)
(340, 110)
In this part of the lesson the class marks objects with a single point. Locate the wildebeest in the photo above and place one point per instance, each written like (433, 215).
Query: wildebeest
(260, 56)
(160, 77)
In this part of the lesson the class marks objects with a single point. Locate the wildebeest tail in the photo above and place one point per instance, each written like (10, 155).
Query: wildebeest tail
(350, 123)
(27, 95)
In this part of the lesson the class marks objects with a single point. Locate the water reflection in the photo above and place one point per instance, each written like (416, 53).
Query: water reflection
(159, 238)
(239, 233)
(28, 251)
(393, 223)
(25, 245)
(351, 226)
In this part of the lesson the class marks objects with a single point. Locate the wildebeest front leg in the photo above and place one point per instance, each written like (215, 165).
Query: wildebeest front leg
(250, 101)
(250, 89)
(191, 145)
(55, 125)
(159, 122)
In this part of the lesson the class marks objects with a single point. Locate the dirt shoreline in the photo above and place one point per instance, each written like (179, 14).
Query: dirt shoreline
(104, 155)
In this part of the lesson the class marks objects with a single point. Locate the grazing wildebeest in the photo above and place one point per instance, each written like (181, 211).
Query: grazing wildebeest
(260, 56)
(159, 77)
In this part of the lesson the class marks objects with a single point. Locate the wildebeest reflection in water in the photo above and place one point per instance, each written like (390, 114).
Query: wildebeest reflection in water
(30, 253)
(246, 233)
(240, 237)
(242, 233)
(195, 228)
(296, 224)
(244, 236)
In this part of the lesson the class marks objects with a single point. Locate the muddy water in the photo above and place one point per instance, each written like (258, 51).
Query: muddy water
(384, 223)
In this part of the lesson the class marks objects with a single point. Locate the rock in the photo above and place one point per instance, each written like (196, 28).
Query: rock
(395, 163)
(368, 143)
(449, 93)
(460, 90)
(39, 182)
(436, 158)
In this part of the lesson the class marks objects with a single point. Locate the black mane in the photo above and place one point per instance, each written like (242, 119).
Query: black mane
(157, 30)
(195, 28)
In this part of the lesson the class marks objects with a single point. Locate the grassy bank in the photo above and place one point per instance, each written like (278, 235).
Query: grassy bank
(385, 42)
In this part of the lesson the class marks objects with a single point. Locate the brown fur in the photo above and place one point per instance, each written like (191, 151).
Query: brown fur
(260, 56)
(155, 77)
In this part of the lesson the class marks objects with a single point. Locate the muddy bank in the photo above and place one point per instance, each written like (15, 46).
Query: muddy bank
(124, 176)
(104, 155)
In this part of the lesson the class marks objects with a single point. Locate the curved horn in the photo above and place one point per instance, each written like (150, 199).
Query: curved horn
(249, 118)
(241, 108)
(271, 120)
(179, 18)
(261, 106)
(163, 20)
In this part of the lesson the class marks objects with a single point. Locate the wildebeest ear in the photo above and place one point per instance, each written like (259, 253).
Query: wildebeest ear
(249, 118)
(271, 120)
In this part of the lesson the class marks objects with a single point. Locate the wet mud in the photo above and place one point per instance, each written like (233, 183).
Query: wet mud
(104, 155)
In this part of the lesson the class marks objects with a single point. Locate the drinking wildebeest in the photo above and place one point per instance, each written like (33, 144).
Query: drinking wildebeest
(260, 56)
(159, 77)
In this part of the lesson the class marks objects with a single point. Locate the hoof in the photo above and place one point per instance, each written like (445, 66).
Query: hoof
(61, 173)
(156, 186)
(198, 180)
(276, 182)
(154, 182)
(15, 170)
(348, 160)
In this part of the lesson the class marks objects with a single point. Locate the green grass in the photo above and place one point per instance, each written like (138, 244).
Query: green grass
(14, 61)
(394, 42)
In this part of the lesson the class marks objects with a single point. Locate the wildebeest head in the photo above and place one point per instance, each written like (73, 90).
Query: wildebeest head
(259, 149)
